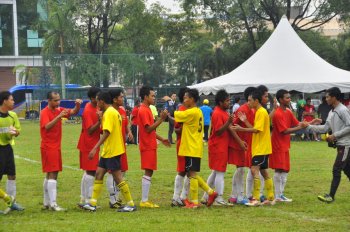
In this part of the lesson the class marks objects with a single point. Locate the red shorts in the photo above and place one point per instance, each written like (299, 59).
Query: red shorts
(181, 163)
(280, 160)
(218, 161)
(236, 157)
(149, 160)
(51, 160)
(124, 162)
(86, 163)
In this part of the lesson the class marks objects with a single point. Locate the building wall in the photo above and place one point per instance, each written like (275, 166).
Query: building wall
(7, 78)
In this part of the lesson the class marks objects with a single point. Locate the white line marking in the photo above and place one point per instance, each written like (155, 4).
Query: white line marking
(38, 162)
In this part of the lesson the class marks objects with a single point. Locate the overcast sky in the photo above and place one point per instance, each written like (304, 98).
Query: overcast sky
(173, 5)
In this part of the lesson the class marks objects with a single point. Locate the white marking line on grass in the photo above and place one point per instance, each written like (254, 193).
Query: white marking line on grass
(37, 162)
(299, 216)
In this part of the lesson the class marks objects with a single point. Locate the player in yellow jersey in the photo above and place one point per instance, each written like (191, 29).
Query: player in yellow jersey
(191, 146)
(113, 148)
(261, 147)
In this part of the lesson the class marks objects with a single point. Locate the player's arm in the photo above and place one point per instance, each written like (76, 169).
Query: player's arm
(294, 129)
(241, 143)
(239, 128)
(76, 109)
(163, 140)
(103, 138)
(51, 124)
(94, 127)
(224, 127)
(345, 117)
(163, 116)
(244, 119)
(16, 129)
(129, 133)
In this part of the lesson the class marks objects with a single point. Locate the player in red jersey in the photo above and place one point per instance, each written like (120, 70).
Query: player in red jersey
(51, 135)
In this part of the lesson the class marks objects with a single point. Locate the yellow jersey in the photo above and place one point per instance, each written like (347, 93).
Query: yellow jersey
(192, 132)
(261, 141)
(112, 122)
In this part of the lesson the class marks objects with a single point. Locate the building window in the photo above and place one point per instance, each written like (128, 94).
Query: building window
(6, 30)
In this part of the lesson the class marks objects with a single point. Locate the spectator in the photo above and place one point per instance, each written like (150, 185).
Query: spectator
(300, 107)
(207, 111)
(323, 110)
(309, 115)
(134, 113)
(236, 105)
(170, 106)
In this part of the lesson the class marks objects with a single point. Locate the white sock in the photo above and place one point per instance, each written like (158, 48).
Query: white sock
(278, 184)
(219, 184)
(283, 181)
(240, 183)
(262, 184)
(83, 196)
(234, 185)
(210, 182)
(249, 184)
(112, 188)
(89, 185)
(11, 188)
(52, 190)
(178, 185)
(46, 193)
(146, 185)
(185, 189)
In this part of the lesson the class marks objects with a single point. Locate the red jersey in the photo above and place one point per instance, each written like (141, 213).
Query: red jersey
(125, 121)
(281, 121)
(51, 139)
(247, 137)
(90, 118)
(148, 141)
(134, 114)
(309, 109)
(218, 144)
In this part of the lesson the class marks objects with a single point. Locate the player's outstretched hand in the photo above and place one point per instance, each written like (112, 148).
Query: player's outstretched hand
(64, 113)
(78, 101)
(92, 154)
(130, 136)
(166, 143)
(243, 145)
(164, 114)
(241, 116)
(235, 127)
(316, 121)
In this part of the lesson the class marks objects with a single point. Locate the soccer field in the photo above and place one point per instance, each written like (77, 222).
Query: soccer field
(311, 164)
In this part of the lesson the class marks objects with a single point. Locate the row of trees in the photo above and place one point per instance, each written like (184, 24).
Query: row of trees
(94, 40)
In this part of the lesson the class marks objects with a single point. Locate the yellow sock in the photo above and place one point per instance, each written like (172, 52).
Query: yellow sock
(256, 189)
(269, 189)
(96, 192)
(203, 185)
(124, 189)
(5, 196)
(194, 190)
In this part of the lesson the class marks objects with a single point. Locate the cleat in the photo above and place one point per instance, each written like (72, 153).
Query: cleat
(148, 204)
(325, 198)
(192, 206)
(267, 202)
(186, 202)
(262, 198)
(282, 198)
(212, 198)
(127, 208)
(89, 208)
(204, 201)
(232, 200)
(117, 205)
(243, 201)
(177, 203)
(16, 206)
(253, 203)
(45, 207)
(57, 208)
(222, 203)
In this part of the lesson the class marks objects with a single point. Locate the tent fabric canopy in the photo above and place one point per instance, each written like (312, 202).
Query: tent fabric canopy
(283, 62)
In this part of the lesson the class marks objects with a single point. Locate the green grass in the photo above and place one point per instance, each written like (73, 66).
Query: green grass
(310, 175)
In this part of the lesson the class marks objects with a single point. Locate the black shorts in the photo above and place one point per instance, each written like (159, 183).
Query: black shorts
(261, 160)
(7, 161)
(192, 164)
(112, 164)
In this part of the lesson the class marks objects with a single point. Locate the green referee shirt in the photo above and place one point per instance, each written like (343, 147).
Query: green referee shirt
(5, 122)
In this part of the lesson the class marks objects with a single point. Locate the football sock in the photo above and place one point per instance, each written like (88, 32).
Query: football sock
(124, 188)
(234, 186)
(210, 182)
(5, 196)
(113, 190)
(146, 185)
(256, 191)
(52, 191)
(249, 184)
(284, 176)
(83, 196)
(219, 184)
(203, 185)
(194, 189)
(46, 194)
(240, 183)
(89, 184)
(178, 185)
(96, 192)
(262, 184)
(277, 179)
(11, 188)
(186, 188)
(269, 189)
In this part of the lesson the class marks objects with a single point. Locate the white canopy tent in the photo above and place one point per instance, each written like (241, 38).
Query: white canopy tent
(284, 61)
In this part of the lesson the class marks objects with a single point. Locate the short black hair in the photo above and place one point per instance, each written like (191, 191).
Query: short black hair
(50, 94)
(181, 93)
(237, 99)
(308, 99)
(262, 89)
(93, 91)
(335, 92)
(280, 94)
(4, 95)
(116, 92)
(105, 96)
(256, 95)
(221, 96)
(171, 93)
(193, 93)
(248, 91)
(145, 91)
